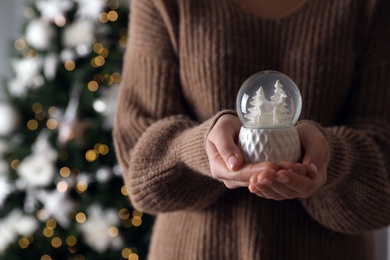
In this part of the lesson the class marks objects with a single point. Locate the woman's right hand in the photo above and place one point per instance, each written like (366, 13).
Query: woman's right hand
(225, 157)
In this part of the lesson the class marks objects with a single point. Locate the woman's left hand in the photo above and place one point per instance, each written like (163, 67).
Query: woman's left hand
(297, 180)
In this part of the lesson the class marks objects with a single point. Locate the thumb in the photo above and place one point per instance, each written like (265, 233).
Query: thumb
(230, 152)
(223, 136)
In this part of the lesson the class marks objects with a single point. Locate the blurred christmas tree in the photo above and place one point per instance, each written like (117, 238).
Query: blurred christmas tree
(61, 190)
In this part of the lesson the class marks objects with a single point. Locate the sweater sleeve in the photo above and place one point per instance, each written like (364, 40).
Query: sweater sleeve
(356, 197)
(160, 147)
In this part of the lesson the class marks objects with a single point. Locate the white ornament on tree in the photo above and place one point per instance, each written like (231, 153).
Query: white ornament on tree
(27, 76)
(268, 105)
(50, 66)
(39, 34)
(14, 225)
(9, 119)
(53, 9)
(38, 168)
(80, 32)
(6, 188)
(96, 228)
(57, 205)
(90, 9)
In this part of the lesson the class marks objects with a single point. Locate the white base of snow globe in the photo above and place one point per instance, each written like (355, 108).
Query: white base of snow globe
(269, 144)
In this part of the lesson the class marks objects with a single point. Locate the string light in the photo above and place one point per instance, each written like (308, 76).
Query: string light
(93, 86)
(14, 164)
(113, 4)
(32, 53)
(112, 16)
(71, 241)
(69, 65)
(56, 242)
(124, 214)
(62, 186)
(103, 17)
(124, 191)
(126, 252)
(53, 111)
(81, 186)
(98, 61)
(48, 232)
(108, 79)
(32, 124)
(113, 232)
(23, 243)
(20, 44)
(51, 223)
(60, 21)
(40, 115)
(91, 155)
(102, 149)
(80, 217)
(42, 214)
(136, 221)
(52, 124)
(37, 107)
(133, 256)
(65, 172)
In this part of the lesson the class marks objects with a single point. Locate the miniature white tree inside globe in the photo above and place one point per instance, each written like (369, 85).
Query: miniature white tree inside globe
(269, 104)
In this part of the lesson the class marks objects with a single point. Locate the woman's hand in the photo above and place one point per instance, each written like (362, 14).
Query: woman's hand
(297, 180)
(285, 180)
(225, 157)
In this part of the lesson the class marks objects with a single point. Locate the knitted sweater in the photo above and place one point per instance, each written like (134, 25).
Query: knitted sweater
(185, 62)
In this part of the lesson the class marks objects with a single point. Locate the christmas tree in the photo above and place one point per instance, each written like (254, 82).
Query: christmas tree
(61, 191)
(266, 113)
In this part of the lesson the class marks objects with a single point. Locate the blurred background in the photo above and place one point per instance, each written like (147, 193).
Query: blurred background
(61, 192)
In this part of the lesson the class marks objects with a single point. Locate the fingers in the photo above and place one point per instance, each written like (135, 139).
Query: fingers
(285, 183)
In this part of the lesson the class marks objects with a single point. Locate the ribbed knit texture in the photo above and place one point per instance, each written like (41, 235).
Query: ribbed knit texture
(184, 65)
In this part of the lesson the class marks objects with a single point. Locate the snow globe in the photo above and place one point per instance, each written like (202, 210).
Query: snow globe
(269, 104)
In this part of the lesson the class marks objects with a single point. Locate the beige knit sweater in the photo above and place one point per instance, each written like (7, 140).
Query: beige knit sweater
(184, 64)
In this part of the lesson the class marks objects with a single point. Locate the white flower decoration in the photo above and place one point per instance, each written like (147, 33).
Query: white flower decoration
(16, 223)
(52, 9)
(57, 205)
(37, 170)
(39, 34)
(27, 76)
(90, 9)
(95, 229)
(81, 32)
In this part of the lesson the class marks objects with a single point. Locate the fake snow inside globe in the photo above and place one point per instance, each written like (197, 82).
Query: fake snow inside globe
(269, 104)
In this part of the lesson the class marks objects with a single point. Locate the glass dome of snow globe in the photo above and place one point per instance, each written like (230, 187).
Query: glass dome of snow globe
(269, 99)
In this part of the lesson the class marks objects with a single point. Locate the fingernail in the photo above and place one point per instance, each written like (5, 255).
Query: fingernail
(282, 179)
(265, 181)
(232, 162)
(314, 168)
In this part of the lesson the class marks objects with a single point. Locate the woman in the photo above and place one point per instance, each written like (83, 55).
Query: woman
(176, 127)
